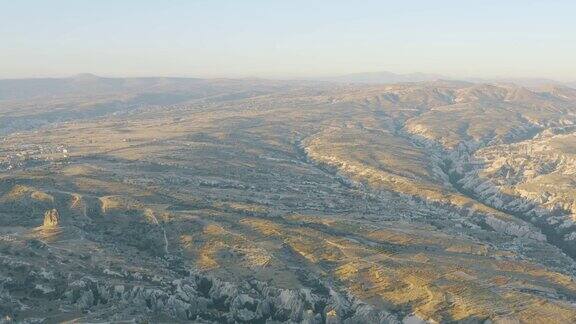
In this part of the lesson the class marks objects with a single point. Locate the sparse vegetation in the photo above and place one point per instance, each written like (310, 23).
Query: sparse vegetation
(169, 200)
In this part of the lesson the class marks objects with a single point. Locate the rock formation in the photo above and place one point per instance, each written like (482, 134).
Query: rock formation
(51, 219)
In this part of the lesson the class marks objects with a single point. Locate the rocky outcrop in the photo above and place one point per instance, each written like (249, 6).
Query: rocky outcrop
(197, 297)
(514, 229)
(200, 297)
(51, 219)
(532, 180)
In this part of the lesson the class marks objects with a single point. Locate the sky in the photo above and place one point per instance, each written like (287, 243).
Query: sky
(288, 38)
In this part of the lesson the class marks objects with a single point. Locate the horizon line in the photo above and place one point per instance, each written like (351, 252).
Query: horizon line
(434, 76)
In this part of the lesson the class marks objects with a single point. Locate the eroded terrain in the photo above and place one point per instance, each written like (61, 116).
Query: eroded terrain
(254, 201)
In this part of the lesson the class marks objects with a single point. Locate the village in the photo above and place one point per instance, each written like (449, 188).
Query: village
(19, 156)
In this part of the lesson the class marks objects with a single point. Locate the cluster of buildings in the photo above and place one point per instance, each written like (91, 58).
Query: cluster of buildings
(19, 155)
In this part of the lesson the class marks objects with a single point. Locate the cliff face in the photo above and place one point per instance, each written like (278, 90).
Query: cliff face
(534, 178)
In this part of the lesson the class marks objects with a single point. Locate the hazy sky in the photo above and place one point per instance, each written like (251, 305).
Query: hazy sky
(289, 38)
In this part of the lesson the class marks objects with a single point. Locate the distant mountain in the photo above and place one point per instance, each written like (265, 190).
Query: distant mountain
(92, 85)
(386, 77)
(523, 82)
(83, 84)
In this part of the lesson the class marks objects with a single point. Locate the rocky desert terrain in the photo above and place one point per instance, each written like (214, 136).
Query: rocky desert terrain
(256, 201)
